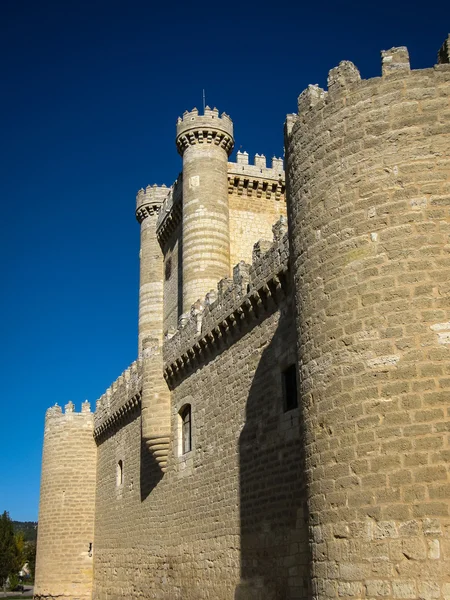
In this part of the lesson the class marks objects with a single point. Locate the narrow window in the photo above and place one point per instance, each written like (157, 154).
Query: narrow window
(290, 399)
(119, 473)
(186, 429)
(168, 269)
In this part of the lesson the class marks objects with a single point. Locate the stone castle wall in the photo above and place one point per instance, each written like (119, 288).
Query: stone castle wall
(368, 170)
(64, 564)
(169, 235)
(256, 201)
(345, 496)
(213, 525)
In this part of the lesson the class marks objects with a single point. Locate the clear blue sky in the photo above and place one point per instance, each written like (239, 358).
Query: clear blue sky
(90, 93)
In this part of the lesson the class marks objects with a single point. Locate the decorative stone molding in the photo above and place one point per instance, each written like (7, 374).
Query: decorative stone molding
(118, 416)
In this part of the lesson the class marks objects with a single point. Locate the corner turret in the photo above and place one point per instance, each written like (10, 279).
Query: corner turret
(148, 207)
(66, 510)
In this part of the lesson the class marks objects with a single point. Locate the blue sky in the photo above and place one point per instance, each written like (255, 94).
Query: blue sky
(90, 96)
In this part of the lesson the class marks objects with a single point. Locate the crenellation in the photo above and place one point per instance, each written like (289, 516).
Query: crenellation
(241, 158)
(209, 129)
(443, 56)
(260, 161)
(341, 77)
(126, 387)
(394, 61)
(150, 200)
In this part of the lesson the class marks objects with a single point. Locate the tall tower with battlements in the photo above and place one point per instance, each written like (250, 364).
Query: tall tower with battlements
(204, 142)
(155, 394)
(64, 566)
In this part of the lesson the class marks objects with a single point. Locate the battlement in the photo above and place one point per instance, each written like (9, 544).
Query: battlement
(69, 409)
(149, 200)
(444, 52)
(259, 167)
(345, 77)
(256, 179)
(244, 297)
(208, 128)
(122, 396)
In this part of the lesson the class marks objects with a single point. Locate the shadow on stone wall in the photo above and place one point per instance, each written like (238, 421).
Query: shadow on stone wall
(150, 472)
(273, 519)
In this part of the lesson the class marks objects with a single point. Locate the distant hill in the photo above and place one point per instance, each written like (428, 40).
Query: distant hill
(28, 528)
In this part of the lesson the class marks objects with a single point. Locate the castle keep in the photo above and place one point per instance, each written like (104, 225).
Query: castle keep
(284, 431)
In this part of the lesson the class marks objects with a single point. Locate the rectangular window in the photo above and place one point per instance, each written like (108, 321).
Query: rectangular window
(290, 398)
(186, 429)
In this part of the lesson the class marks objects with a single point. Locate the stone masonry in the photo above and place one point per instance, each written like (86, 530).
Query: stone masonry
(284, 431)
(64, 564)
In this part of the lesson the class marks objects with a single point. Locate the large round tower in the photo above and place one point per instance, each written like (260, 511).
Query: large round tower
(204, 142)
(67, 503)
(368, 174)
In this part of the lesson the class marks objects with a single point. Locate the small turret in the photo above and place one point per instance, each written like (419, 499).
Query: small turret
(66, 510)
(148, 206)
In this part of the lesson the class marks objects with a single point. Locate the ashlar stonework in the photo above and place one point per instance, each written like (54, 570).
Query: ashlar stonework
(284, 431)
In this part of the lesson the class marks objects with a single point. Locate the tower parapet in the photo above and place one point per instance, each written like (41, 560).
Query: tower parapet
(369, 213)
(66, 510)
(204, 142)
(150, 200)
(256, 179)
(208, 128)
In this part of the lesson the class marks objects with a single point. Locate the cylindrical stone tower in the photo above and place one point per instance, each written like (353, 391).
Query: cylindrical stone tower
(67, 503)
(148, 205)
(368, 175)
(155, 401)
(204, 142)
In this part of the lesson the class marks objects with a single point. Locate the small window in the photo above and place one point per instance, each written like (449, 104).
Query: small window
(290, 399)
(168, 269)
(119, 473)
(186, 429)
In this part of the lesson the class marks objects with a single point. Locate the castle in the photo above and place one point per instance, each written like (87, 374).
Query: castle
(284, 432)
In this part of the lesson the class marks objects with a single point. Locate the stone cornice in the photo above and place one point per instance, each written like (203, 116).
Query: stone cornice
(245, 185)
(119, 415)
(205, 135)
(147, 210)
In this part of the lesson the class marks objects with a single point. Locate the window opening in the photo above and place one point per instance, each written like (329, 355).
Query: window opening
(186, 429)
(168, 269)
(290, 397)
(119, 473)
